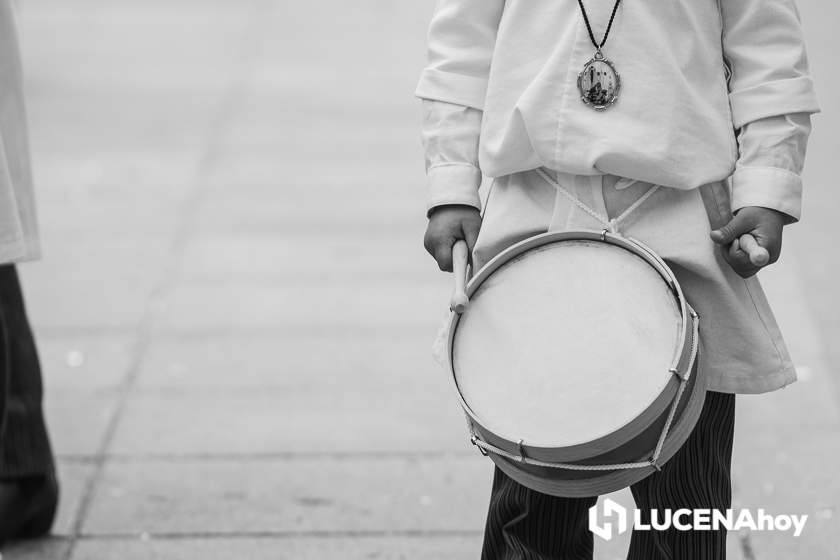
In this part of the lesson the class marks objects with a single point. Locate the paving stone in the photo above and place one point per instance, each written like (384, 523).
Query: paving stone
(225, 497)
(91, 293)
(364, 114)
(256, 256)
(102, 208)
(274, 394)
(815, 237)
(348, 140)
(352, 37)
(783, 436)
(312, 211)
(320, 306)
(73, 480)
(292, 362)
(77, 421)
(124, 179)
(790, 484)
(181, 43)
(44, 549)
(84, 361)
(164, 125)
(259, 174)
(281, 422)
(360, 548)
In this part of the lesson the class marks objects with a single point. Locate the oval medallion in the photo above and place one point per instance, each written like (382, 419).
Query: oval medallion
(599, 83)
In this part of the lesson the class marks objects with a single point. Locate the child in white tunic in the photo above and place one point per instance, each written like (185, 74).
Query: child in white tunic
(708, 136)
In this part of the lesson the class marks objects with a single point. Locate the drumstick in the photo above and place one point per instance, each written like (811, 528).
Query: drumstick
(460, 257)
(758, 254)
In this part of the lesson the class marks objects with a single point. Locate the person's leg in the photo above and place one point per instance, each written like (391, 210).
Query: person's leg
(25, 448)
(27, 470)
(4, 374)
(523, 524)
(696, 477)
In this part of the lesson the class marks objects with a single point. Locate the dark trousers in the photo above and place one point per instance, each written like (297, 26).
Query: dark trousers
(24, 444)
(526, 525)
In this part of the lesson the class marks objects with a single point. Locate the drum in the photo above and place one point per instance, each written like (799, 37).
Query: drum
(575, 362)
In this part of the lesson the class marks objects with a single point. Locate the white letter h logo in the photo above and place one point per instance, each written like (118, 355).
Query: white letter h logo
(605, 529)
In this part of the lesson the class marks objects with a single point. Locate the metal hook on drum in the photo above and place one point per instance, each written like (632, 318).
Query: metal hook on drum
(474, 441)
(521, 446)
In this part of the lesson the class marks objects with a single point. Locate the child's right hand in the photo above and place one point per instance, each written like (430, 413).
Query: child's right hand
(448, 224)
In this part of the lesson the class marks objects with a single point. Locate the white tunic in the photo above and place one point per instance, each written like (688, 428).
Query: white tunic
(18, 226)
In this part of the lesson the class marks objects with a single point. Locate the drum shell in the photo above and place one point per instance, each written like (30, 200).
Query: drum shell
(633, 443)
(582, 483)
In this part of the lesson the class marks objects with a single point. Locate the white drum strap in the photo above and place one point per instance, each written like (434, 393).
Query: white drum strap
(486, 448)
(611, 225)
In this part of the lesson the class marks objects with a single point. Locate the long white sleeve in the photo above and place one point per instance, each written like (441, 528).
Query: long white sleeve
(764, 48)
(450, 141)
(772, 156)
(462, 36)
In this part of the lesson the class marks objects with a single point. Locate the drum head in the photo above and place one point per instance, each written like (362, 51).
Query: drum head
(566, 343)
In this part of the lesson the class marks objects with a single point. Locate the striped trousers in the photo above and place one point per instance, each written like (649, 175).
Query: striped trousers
(526, 525)
(24, 444)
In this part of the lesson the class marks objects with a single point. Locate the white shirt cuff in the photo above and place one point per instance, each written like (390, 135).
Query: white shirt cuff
(769, 187)
(453, 183)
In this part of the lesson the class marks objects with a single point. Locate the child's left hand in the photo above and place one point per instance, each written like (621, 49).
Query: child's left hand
(764, 224)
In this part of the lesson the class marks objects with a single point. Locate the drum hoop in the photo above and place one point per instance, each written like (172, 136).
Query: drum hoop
(685, 351)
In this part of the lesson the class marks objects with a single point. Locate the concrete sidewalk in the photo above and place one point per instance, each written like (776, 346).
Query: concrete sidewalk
(235, 310)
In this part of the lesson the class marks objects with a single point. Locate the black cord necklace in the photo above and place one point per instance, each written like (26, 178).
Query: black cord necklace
(599, 82)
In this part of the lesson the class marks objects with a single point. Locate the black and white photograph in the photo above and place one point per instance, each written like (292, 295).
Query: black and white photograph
(430, 280)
